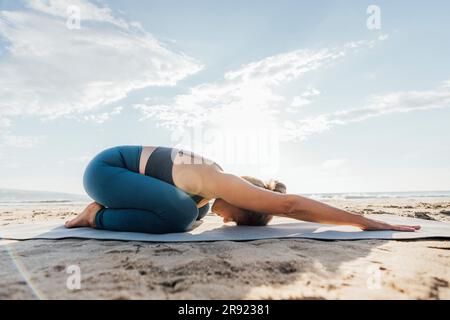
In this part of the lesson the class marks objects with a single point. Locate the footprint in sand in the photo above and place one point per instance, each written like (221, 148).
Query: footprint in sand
(423, 215)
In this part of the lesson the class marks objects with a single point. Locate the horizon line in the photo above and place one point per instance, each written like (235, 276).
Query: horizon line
(306, 193)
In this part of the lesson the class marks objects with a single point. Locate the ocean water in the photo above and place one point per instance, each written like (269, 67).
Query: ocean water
(30, 197)
(378, 195)
(24, 197)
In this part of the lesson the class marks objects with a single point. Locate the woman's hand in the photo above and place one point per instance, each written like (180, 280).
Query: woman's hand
(373, 225)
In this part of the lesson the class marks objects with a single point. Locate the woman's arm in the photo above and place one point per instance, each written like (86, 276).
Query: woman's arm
(243, 194)
(315, 211)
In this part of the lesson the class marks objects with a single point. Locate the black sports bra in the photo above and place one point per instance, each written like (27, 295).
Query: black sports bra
(160, 164)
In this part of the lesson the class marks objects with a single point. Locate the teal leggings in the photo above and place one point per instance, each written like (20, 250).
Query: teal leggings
(135, 202)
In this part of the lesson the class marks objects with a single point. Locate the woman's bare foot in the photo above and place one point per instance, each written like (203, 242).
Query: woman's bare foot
(85, 218)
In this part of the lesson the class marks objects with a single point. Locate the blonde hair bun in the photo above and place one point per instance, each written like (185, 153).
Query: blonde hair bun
(277, 186)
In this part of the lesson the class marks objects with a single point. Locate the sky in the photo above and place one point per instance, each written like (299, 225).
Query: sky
(326, 96)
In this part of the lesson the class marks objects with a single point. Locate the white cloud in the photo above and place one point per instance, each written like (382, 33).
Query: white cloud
(102, 117)
(311, 92)
(284, 67)
(10, 140)
(4, 123)
(397, 102)
(303, 100)
(246, 97)
(300, 101)
(50, 71)
(88, 11)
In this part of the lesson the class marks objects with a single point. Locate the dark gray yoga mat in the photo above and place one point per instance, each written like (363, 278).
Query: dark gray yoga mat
(212, 229)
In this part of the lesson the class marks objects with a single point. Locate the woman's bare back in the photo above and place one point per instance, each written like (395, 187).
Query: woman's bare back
(190, 171)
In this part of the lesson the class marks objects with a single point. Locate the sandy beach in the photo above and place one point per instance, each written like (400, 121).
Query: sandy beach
(265, 269)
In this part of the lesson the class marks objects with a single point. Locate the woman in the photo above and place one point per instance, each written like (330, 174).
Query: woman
(161, 190)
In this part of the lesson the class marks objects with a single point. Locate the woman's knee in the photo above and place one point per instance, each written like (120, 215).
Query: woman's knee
(91, 179)
(96, 179)
(99, 169)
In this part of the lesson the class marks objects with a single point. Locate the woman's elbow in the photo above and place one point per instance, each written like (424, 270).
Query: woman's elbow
(289, 203)
(292, 207)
